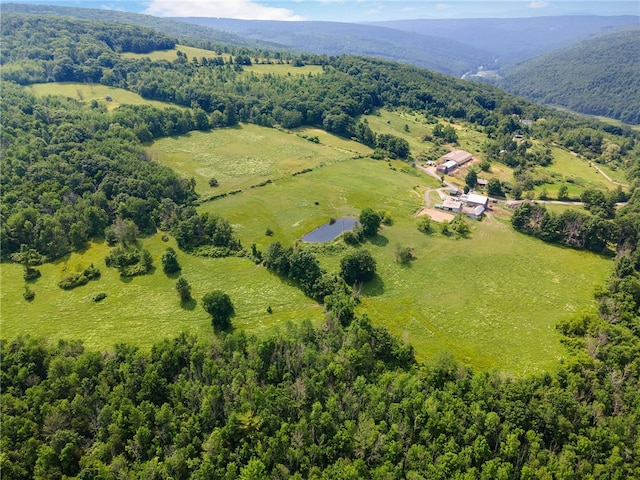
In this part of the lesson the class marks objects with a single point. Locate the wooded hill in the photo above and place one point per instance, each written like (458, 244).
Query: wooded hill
(597, 77)
(344, 400)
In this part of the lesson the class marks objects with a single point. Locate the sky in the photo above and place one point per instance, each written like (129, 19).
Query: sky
(355, 10)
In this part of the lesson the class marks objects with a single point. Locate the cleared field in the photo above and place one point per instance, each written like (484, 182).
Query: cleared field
(493, 299)
(282, 69)
(145, 309)
(579, 171)
(86, 92)
(247, 155)
(172, 54)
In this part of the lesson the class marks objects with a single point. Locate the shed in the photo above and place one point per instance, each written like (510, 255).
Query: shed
(473, 199)
(460, 157)
(482, 182)
(452, 205)
(474, 212)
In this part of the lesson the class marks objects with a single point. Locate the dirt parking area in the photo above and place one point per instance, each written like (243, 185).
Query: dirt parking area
(437, 215)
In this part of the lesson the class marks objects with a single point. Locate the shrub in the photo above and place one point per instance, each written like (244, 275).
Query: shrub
(28, 294)
(30, 273)
(99, 296)
(79, 279)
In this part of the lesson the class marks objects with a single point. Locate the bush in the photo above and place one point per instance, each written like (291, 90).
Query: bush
(79, 279)
(30, 273)
(28, 294)
(424, 224)
(99, 296)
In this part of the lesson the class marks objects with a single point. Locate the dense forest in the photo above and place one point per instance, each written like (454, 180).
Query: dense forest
(597, 77)
(341, 400)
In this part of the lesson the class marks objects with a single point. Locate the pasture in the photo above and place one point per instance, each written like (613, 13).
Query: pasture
(172, 54)
(87, 92)
(247, 155)
(143, 310)
(492, 299)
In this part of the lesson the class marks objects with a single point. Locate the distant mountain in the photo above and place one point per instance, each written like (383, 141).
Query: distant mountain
(180, 30)
(513, 40)
(600, 76)
(444, 55)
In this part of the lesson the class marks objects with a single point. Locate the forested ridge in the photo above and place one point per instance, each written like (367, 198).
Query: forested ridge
(341, 400)
(597, 77)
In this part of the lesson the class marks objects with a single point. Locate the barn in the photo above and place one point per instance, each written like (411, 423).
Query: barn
(460, 157)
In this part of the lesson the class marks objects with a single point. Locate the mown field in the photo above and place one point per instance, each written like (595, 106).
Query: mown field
(143, 310)
(86, 92)
(248, 155)
(492, 299)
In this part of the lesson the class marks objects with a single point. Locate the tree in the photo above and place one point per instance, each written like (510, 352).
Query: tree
(218, 304)
(170, 261)
(471, 179)
(563, 192)
(370, 221)
(424, 224)
(494, 187)
(184, 289)
(403, 254)
(359, 266)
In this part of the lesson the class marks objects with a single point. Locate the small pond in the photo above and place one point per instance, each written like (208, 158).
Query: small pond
(329, 231)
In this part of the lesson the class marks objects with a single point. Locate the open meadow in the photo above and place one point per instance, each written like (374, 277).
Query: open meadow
(247, 155)
(86, 92)
(492, 299)
(143, 310)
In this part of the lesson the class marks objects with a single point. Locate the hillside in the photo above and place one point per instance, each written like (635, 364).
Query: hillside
(513, 40)
(443, 55)
(597, 77)
(162, 318)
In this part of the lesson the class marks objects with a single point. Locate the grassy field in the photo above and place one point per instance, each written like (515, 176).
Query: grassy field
(172, 54)
(87, 92)
(145, 309)
(492, 299)
(247, 155)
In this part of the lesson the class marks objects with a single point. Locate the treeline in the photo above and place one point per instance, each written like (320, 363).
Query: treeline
(596, 77)
(322, 403)
(69, 171)
(571, 228)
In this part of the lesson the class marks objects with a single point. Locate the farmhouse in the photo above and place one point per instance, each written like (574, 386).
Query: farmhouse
(460, 157)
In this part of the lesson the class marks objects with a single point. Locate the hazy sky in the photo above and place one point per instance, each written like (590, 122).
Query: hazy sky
(356, 10)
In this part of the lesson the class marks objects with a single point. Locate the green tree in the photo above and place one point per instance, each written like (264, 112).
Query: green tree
(494, 187)
(471, 179)
(424, 224)
(218, 304)
(170, 261)
(563, 192)
(403, 254)
(184, 289)
(359, 266)
(370, 221)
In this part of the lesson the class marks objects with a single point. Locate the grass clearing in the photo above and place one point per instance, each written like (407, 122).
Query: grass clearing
(146, 309)
(171, 55)
(493, 299)
(282, 69)
(247, 155)
(86, 92)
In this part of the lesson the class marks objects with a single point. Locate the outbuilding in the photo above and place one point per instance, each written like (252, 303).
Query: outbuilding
(473, 200)
(446, 167)
(460, 157)
(452, 205)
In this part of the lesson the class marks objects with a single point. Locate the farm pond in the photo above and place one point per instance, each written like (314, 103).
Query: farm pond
(331, 230)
